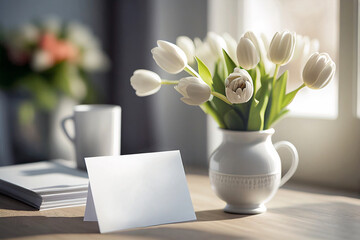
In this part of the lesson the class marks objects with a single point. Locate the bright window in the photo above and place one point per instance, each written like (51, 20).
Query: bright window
(276, 15)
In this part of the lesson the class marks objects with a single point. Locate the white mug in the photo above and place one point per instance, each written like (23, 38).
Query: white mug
(97, 131)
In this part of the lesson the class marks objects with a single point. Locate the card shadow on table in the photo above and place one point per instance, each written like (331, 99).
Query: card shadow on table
(173, 231)
(41, 225)
(216, 215)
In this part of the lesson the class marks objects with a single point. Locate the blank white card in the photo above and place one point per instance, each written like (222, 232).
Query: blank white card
(137, 190)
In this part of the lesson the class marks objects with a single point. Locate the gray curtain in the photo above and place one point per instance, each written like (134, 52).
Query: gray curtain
(128, 29)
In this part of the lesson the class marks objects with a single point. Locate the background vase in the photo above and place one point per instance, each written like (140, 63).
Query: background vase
(36, 140)
(28, 140)
(245, 170)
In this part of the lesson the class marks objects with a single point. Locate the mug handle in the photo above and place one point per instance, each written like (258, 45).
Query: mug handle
(64, 128)
(294, 159)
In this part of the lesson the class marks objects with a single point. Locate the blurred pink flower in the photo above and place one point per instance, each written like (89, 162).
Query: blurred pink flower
(59, 50)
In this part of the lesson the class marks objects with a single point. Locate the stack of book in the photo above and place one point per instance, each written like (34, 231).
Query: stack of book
(45, 185)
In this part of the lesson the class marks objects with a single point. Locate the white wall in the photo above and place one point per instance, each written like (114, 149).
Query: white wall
(177, 125)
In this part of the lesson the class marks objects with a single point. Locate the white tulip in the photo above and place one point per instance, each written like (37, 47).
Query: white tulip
(257, 43)
(231, 46)
(203, 51)
(145, 82)
(187, 45)
(78, 88)
(260, 44)
(216, 43)
(20, 39)
(239, 87)
(93, 59)
(247, 54)
(269, 66)
(29, 33)
(169, 57)
(81, 35)
(41, 60)
(318, 71)
(265, 41)
(282, 47)
(195, 92)
(304, 48)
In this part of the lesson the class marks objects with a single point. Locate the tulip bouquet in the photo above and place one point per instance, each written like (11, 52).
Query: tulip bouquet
(236, 83)
(48, 58)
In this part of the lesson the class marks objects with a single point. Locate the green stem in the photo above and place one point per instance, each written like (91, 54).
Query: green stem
(168, 82)
(302, 86)
(191, 71)
(257, 80)
(221, 97)
(275, 75)
(226, 73)
(208, 109)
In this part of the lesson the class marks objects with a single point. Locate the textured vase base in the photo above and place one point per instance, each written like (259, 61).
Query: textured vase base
(245, 210)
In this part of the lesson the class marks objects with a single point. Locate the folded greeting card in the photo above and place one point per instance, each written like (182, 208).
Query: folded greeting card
(138, 190)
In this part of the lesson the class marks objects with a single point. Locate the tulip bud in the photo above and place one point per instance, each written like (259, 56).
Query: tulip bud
(282, 47)
(145, 82)
(194, 90)
(217, 44)
(318, 71)
(257, 42)
(239, 86)
(247, 54)
(187, 45)
(169, 57)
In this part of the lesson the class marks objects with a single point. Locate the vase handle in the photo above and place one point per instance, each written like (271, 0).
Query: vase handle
(72, 139)
(294, 159)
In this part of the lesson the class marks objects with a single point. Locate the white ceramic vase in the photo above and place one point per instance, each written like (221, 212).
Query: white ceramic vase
(245, 170)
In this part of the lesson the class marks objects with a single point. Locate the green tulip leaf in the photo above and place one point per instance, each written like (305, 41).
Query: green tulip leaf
(264, 80)
(204, 72)
(230, 64)
(254, 74)
(280, 115)
(257, 115)
(289, 98)
(218, 105)
(258, 103)
(218, 83)
(233, 121)
(277, 96)
(256, 120)
(208, 108)
(262, 67)
(243, 110)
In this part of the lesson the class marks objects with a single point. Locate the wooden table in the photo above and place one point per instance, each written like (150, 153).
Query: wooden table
(295, 213)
